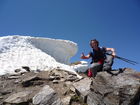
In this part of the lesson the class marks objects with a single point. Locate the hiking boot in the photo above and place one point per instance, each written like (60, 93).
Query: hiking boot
(121, 70)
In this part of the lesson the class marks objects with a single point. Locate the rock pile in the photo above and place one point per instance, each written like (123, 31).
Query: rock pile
(59, 87)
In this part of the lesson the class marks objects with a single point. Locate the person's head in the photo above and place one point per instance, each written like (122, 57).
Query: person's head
(94, 43)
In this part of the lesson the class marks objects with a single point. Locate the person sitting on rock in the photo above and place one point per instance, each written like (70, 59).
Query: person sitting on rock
(100, 61)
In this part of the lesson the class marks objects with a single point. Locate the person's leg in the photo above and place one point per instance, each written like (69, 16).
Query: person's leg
(108, 63)
(94, 67)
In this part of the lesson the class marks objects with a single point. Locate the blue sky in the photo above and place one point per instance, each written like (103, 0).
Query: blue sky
(115, 23)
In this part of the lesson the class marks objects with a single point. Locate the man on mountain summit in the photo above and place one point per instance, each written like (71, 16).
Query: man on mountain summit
(100, 59)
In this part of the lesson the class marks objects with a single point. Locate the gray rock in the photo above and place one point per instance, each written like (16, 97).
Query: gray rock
(55, 81)
(83, 87)
(104, 89)
(26, 68)
(71, 78)
(66, 100)
(29, 81)
(1, 97)
(123, 89)
(46, 96)
(51, 78)
(17, 70)
(14, 77)
(19, 98)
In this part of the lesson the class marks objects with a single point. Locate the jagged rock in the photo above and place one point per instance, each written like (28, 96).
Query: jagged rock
(55, 81)
(46, 96)
(14, 77)
(71, 78)
(1, 97)
(57, 77)
(123, 89)
(17, 70)
(68, 83)
(4, 92)
(62, 75)
(83, 87)
(66, 100)
(72, 89)
(26, 68)
(19, 98)
(59, 72)
(51, 78)
(29, 81)
(17, 81)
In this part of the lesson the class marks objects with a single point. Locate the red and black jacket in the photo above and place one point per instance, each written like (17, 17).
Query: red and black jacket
(98, 55)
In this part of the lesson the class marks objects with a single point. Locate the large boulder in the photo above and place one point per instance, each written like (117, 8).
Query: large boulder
(122, 89)
(19, 98)
(46, 96)
(82, 88)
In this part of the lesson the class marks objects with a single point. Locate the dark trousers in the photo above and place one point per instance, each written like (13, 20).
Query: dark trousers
(107, 66)
(95, 67)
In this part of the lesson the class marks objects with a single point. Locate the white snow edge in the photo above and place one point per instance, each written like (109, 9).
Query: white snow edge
(37, 53)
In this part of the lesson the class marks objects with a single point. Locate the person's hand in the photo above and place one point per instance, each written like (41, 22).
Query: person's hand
(82, 56)
(114, 55)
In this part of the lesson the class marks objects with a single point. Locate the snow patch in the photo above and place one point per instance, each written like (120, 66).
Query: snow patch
(37, 53)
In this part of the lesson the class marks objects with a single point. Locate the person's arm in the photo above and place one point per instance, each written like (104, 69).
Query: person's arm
(85, 57)
(112, 50)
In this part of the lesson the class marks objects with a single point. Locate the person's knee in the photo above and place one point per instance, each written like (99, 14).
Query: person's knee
(106, 68)
(109, 61)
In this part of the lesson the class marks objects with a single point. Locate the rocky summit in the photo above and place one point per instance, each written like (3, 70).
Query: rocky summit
(60, 87)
